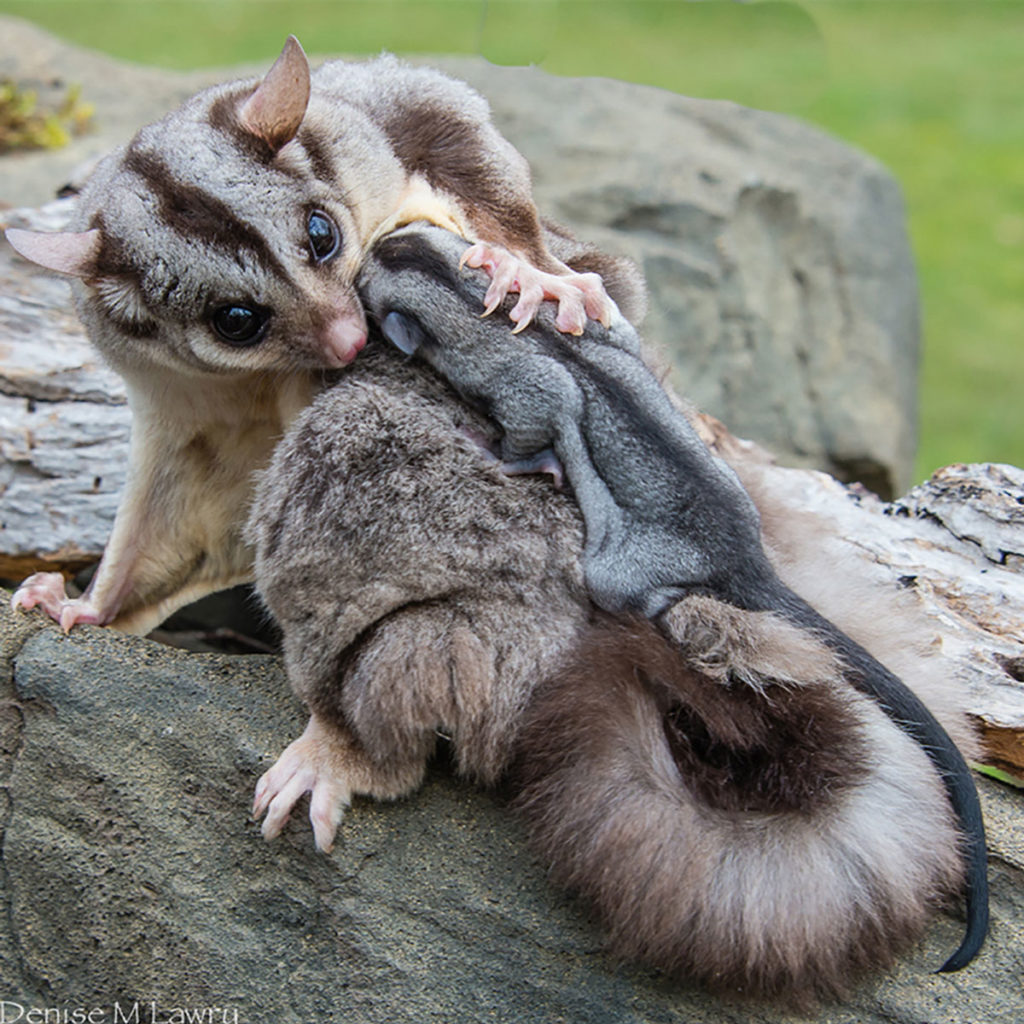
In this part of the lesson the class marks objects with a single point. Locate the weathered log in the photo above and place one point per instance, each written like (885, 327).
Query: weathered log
(954, 543)
(63, 420)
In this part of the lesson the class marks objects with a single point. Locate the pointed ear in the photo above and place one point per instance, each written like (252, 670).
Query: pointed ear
(67, 252)
(276, 109)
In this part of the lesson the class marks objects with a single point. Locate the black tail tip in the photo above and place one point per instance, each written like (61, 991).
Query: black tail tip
(977, 930)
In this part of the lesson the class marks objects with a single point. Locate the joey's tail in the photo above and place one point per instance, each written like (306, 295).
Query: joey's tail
(773, 840)
(908, 712)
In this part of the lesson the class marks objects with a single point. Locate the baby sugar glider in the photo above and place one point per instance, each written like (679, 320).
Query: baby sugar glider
(214, 269)
(664, 518)
(722, 785)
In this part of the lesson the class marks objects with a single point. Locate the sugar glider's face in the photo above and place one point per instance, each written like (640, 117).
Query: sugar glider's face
(220, 258)
(221, 239)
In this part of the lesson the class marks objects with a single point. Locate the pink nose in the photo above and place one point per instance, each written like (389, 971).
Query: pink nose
(343, 339)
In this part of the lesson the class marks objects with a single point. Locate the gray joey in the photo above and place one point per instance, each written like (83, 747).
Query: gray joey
(214, 268)
(743, 793)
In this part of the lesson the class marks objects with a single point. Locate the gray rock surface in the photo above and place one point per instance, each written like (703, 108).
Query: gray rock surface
(780, 274)
(130, 871)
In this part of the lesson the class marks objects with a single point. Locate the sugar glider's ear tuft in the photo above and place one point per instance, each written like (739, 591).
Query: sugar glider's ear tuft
(67, 252)
(276, 109)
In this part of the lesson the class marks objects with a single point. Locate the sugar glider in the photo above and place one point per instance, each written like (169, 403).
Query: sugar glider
(723, 783)
(214, 269)
(665, 520)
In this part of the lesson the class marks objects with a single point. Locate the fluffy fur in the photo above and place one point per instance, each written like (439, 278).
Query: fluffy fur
(665, 520)
(718, 846)
(689, 787)
(409, 574)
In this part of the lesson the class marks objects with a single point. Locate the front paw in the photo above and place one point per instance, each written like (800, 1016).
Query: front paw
(546, 461)
(314, 764)
(579, 296)
(45, 590)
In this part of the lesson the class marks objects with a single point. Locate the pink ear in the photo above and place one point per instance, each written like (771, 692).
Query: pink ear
(276, 109)
(67, 252)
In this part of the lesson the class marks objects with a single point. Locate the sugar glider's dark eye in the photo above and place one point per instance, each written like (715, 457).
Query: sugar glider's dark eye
(240, 325)
(324, 236)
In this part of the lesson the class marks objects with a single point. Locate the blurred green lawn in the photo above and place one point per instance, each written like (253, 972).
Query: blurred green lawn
(933, 89)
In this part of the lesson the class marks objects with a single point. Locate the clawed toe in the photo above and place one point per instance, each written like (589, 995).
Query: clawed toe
(579, 296)
(45, 590)
(308, 765)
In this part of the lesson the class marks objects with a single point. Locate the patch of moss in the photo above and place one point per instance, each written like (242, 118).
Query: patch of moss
(25, 125)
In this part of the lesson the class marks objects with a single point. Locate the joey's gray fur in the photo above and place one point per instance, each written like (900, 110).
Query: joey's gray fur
(633, 460)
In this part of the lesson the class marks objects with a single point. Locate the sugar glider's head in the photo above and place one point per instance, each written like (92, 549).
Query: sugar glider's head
(220, 238)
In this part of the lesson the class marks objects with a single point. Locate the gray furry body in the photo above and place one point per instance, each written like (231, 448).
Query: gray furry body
(664, 518)
(642, 478)
(688, 780)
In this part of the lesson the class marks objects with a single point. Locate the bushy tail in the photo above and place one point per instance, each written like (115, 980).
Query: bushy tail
(740, 816)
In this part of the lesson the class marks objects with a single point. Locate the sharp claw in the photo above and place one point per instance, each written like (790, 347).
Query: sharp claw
(580, 296)
(259, 799)
(474, 257)
(271, 828)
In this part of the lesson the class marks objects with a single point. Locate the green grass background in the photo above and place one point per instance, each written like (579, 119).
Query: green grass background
(934, 89)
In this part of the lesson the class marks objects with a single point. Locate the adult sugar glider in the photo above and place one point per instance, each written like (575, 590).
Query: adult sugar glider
(718, 784)
(214, 269)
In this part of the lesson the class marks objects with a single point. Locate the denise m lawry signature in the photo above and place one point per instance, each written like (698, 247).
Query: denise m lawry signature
(136, 1012)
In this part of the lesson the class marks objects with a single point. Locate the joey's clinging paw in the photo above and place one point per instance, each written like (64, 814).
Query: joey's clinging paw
(546, 461)
(579, 296)
(314, 764)
(45, 590)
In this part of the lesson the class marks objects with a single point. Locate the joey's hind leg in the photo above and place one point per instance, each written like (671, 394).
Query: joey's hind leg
(327, 762)
(579, 296)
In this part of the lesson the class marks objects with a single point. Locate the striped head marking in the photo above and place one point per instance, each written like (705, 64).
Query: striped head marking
(221, 238)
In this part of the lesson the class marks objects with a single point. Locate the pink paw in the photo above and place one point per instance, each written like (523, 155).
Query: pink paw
(545, 461)
(311, 764)
(46, 591)
(579, 296)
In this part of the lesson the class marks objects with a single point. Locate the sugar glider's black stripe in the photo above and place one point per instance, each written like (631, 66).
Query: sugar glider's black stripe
(194, 214)
(319, 157)
(397, 253)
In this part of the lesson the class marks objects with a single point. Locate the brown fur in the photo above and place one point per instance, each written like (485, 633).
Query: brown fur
(729, 854)
(734, 811)
(447, 147)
